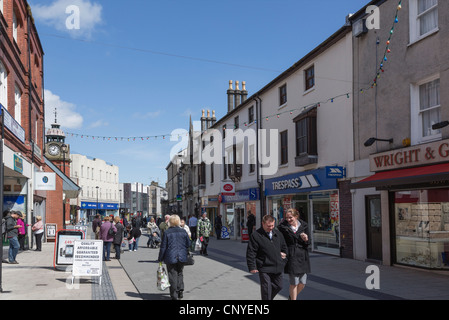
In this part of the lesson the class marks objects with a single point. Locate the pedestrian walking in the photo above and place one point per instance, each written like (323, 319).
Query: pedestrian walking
(204, 228)
(266, 255)
(193, 222)
(250, 223)
(295, 232)
(12, 233)
(118, 237)
(174, 248)
(134, 234)
(38, 230)
(218, 225)
(164, 225)
(107, 237)
(186, 228)
(96, 224)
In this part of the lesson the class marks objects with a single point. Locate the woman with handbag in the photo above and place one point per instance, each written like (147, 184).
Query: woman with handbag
(173, 252)
(107, 232)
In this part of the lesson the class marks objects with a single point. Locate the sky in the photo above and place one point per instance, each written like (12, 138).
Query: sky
(119, 71)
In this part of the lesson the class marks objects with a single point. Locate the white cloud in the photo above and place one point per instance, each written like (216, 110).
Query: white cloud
(99, 123)
(67, 116)
(75, 17)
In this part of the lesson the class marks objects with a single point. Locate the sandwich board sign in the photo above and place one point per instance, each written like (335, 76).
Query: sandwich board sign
(87, 258)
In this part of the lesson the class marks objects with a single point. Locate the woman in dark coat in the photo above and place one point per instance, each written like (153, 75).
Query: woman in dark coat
(173, 252)
(295, 232)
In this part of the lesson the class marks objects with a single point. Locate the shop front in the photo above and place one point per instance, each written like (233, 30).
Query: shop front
(89, 210)
(236, 209)
(209, 205)
(315, 195)
(415, 185)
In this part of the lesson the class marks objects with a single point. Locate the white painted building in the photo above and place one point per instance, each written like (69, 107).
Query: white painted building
(99, 181)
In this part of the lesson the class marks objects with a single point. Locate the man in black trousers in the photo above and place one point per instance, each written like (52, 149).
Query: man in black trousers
(267, 255)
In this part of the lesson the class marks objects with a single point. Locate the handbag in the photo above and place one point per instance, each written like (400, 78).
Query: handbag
(111, 231)
(162, 278)
(190, 260)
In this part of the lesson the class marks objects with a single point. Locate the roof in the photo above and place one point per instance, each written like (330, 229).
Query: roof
(70, 188)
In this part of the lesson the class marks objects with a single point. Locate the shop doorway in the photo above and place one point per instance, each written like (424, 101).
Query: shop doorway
(303, 209)
(239, 212)
(373, 228)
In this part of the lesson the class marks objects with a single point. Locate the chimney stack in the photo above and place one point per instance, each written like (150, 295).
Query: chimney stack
(213, 119)
(244, 93)
(230, 97)
(203, 121)
(237, 93)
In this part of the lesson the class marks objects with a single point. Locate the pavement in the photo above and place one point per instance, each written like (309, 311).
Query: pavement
(222, 275)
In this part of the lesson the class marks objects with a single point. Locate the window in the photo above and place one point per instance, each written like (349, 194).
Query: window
(251, 114)
(212, 172)
(17, 105)
(3, 87)
(1, 6)
(252, 159)
(426, 110)
(423, 18)
(306, 138)
(14, 26)
(309, 80)
(283, 95)
(224, 131)
(284, 147)
(236, 122)
(225, 172)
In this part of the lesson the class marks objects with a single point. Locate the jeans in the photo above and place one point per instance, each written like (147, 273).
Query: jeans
(107, 250)
(134, 245)
(13, 248)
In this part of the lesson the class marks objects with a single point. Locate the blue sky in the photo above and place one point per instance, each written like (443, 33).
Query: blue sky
(140, 68)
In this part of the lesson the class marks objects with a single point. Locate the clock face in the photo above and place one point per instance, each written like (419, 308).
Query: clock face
(53, 150)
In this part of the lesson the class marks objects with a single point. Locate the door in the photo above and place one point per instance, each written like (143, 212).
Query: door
(373, 228)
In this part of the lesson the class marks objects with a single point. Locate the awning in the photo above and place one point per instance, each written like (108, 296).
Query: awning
(428, 174)
(70, 188)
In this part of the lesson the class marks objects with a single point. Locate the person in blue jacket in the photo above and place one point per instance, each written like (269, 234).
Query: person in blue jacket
(173, 252)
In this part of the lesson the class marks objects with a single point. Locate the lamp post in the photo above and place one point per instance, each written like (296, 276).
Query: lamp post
(97, 198)
(64, 151)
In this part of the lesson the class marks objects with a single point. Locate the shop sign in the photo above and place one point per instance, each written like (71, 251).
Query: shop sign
(101, 205)
(18, 164)
(335, 172)
(45, 181)
(424, 154)
(242, 196)
(228, 188)
(313, 180)
(334, 207)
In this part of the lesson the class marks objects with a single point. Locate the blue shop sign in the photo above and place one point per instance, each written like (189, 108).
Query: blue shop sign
(307, 181)
(252, 194)
(101, 205)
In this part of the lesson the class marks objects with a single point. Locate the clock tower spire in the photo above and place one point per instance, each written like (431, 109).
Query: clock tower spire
(56, 149)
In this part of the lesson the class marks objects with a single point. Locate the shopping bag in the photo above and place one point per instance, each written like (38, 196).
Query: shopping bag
(197, 245)
(162, 278)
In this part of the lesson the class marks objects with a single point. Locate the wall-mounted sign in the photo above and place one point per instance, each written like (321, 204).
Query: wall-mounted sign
(18, 164)
(423, 154)
(45, 181)
(228, 188)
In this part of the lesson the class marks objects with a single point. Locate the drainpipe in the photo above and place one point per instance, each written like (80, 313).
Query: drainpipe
(258, 101)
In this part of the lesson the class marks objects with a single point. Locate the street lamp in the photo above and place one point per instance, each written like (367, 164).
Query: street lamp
(97, 198)
(371, 141)
(64, 149)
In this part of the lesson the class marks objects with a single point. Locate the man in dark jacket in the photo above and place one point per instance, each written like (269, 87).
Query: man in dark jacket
(174, 247)
(12, 233)
(267, 254)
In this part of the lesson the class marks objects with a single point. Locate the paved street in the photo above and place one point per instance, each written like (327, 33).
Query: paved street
(222, 276)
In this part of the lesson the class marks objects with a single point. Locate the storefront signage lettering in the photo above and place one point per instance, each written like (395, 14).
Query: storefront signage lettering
(286, 184)
(418, 155)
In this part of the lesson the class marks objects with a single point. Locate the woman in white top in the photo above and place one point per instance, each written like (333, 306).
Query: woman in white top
(38, 229)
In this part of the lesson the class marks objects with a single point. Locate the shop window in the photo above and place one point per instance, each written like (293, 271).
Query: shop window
(422, 228)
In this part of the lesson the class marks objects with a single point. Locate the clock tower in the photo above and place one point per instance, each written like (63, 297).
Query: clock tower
(56, 150)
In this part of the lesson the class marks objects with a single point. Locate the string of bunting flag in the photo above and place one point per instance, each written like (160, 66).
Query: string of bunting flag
(379, 71)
